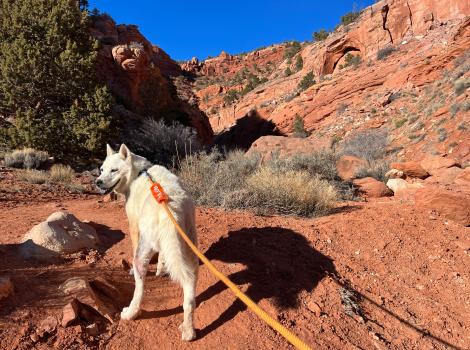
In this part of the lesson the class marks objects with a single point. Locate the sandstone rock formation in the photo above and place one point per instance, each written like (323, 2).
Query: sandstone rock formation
(411, 169)
(142, 76)
(407, 91)
(452, 205)
(370, 187)
(285, 146)
(61, 233)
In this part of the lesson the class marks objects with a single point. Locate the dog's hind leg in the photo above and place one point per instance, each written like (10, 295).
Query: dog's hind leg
(189, 304)
(160, 266)
(142, 258)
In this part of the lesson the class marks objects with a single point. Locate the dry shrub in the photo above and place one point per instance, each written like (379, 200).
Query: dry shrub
(368, 145)
(62, 174)
(33, 176)
(290, 192)
(208, 177)
(27, 158)
(163, 144)
(295, 186)
(376, 169)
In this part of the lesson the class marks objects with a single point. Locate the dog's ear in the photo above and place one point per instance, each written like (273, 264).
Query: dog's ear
(124, 152)
(109, 150)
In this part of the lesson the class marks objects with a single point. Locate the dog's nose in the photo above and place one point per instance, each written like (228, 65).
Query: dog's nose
(99, 182)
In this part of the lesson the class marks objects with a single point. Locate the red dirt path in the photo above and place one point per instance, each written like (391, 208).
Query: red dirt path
(409, 271)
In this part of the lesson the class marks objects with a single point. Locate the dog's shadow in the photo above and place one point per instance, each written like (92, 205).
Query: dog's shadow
(280, 264)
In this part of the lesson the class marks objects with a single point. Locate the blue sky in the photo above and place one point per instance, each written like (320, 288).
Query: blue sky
(201, 28)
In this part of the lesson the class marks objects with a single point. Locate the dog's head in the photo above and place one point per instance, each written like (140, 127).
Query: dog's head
(117, 170)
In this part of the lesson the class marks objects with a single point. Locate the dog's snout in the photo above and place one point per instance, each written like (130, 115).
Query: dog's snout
(99, 182)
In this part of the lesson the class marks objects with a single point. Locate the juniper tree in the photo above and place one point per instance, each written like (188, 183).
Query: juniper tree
(47, 77)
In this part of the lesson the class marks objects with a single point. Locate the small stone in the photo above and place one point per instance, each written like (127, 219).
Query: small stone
(111, 197)
(6, 287)
(70, 313)
(47, 326)
(92, 329)
(125, 265)
(314, 307)
(34, 337)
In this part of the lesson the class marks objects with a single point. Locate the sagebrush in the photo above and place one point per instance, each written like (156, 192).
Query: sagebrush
(298, 185)
(27, 158)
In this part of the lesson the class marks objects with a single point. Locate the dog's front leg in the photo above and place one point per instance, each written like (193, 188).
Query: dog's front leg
(141, 262)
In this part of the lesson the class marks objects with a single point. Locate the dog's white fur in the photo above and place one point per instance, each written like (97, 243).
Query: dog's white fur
(151, 229)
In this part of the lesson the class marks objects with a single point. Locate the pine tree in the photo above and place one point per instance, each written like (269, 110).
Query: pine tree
(47, 77)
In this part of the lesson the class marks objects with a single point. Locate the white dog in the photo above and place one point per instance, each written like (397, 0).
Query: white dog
(150, 227)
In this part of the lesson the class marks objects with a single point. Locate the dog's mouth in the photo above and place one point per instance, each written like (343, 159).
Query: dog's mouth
(104, 191)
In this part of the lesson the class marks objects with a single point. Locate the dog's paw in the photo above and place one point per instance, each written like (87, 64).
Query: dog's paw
(129, 313)
(161, 273)
(187, 333)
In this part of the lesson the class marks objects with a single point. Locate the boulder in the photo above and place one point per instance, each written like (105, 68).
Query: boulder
(432, 164)
(452, 205)
(397, 184)
(463, 179)
(394, 174)
(6, 287)
(347, 166)
(61, 233)
(372, 188)
(70, 313)
(444, 176)
(411, 169)
(403, 188)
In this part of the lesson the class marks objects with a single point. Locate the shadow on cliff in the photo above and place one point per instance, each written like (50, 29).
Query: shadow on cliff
(246, 131)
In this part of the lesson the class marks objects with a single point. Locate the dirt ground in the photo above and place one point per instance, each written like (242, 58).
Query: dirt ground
(374, 275)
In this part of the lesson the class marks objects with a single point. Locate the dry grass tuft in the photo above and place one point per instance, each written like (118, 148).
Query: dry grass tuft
(27, 158)
(63, 174)
(33, 176)
(291, 192)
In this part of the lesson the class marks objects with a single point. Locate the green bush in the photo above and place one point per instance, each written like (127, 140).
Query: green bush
(299, 63)
(292, 48)
(307, 81)
(385, 52)
(351, 60)
(321, 35)
(230, 96)
(288, 72)
(350, 17)
(299, 127)
(47, 78)
(400, 122)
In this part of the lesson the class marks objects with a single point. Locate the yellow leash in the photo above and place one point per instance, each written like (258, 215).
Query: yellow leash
(162, 198)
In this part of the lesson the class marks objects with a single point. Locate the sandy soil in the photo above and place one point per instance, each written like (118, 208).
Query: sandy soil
(375, 275)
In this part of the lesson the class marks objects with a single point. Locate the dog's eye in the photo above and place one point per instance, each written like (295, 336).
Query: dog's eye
(113, 170)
